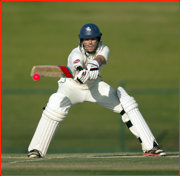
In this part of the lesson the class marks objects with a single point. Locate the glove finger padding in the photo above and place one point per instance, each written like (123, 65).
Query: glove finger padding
(93, 70)
(82, 76)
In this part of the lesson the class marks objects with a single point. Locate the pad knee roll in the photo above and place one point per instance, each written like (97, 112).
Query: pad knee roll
(128, 103)
(53, 115)
(57, 107)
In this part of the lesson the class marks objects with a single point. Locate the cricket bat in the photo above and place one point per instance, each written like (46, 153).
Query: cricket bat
(53, 71)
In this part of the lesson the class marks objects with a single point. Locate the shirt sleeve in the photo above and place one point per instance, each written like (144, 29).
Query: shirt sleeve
(104, 52)
(75, 58)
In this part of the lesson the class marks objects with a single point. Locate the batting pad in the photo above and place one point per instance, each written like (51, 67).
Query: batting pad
(136, 119)
(43, 135)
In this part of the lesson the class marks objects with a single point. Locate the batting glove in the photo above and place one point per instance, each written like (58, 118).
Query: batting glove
(81, 76)
(93, 69)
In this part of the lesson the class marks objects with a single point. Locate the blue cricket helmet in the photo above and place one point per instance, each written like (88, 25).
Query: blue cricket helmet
(89, 31)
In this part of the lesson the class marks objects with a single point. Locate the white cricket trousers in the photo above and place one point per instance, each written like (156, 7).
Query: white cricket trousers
(100, 93)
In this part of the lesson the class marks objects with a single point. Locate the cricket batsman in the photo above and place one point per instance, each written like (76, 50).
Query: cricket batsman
(89, 59)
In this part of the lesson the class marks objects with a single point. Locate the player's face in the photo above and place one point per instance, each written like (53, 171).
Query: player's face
(90, 44)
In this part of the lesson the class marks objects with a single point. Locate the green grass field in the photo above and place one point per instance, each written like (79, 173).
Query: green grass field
(91, 164)
(144, 51)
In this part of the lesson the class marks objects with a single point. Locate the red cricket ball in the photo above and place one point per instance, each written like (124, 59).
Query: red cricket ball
(36, 77)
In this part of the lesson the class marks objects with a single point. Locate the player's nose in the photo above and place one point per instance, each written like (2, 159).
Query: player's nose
(90, 41)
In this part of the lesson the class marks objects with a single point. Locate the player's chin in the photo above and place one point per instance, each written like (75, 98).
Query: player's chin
(90, 50)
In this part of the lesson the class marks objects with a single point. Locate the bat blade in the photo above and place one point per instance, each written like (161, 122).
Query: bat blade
(53, 71)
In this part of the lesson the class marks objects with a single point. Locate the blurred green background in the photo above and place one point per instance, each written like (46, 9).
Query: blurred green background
(143, 38)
